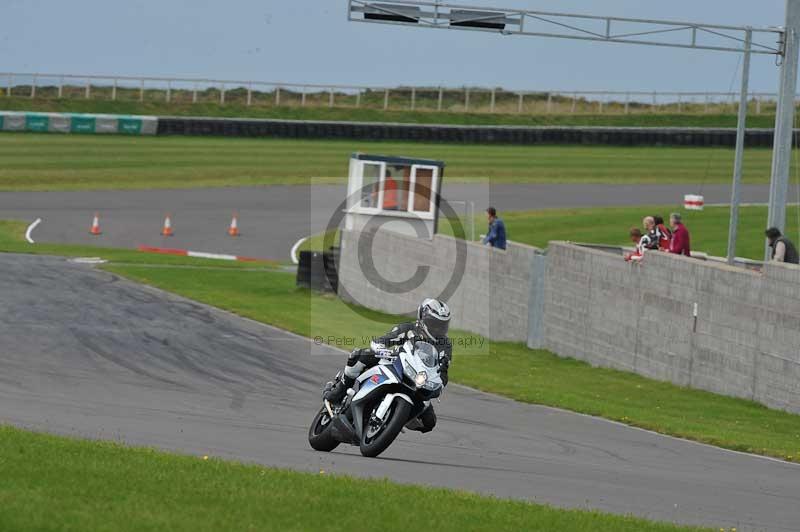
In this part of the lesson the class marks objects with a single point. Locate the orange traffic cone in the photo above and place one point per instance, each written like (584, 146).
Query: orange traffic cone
(167, 231)
(95, 230)
(233, 230)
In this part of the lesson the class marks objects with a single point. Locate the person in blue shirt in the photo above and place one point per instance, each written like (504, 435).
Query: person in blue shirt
(496, 236)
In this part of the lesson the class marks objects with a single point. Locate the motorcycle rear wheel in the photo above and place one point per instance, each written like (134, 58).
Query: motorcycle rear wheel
(319, 434)
(372, 446)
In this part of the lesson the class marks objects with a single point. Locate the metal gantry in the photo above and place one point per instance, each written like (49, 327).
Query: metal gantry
(781, 42)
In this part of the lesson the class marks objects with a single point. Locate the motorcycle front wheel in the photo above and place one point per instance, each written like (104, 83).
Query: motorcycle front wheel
(377, 435)
(319, 435)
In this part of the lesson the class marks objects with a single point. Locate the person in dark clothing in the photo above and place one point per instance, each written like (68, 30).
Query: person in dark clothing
(496, 236)
(783, 249)
(433, 321)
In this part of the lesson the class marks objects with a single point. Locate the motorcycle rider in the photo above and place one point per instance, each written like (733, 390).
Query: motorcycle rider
(433, 320)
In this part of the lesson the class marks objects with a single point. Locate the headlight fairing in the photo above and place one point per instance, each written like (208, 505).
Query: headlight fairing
(409, 371)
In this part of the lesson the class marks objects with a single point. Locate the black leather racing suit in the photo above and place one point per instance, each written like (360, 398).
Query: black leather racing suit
(362, 359)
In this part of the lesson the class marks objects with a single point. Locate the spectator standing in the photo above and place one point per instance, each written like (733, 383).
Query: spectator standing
(496, 236)
(652, 233)
(665, 235)
(681, 242)
(783, 250)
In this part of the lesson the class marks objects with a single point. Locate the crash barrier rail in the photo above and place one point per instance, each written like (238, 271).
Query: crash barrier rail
(149, 125)
(697, 323)
(40, 85)
(78, 123)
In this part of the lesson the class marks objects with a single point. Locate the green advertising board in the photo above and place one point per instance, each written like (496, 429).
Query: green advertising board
(130, 126)
(1, 122)
(37, 123)
(82, 124)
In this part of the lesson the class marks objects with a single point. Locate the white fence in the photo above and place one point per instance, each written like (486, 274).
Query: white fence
(440, 99)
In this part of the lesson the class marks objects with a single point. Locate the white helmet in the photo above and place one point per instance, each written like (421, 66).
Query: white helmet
(433, 316)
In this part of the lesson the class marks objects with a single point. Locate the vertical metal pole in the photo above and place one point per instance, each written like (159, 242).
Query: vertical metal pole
(549, 102)
(574, 102)
(385, 99)
(413, 98)
(114, 91)
(169, 90)
(222, 94)
(441, 97)
(194, 92)
(655, 101)
(680, 106)
(466, 99)
(600, 106)
(249, 94)
(60, 87)
(736, 191)
(705, 106)
(277, 96)
(10, 85)
(520, 102)
(88, 88)
(627, 101)
(330, 98)
(358, 98)
(303, 97)
(141, 90)
(33, 87)
(784, 122)
(491, 104)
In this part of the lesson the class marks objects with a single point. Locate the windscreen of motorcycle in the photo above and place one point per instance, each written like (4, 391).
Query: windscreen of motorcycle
(427, 353)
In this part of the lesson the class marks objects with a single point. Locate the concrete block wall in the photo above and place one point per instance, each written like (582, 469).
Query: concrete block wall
(594, 306)
(491, 299)
(640, 317)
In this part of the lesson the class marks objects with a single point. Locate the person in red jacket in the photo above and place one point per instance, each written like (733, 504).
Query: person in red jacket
(665, 235)
(680, 243)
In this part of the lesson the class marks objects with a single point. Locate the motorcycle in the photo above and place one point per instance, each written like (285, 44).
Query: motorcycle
(392, 395)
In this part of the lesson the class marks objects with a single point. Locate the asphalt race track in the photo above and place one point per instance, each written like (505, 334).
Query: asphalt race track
(86, 353)
(273, 218)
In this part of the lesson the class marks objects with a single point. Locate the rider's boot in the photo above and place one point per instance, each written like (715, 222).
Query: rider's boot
(336, 394)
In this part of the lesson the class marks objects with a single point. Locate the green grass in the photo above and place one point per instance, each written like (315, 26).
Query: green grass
(400, 115)
(56, 483)
(610, 225)
(509, 369)
(708, 228)
(12, 240)
(73, 162)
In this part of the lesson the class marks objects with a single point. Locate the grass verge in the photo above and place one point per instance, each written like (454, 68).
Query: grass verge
(12, 240)
(55, 483)
(351, 114)
(610, 225)
(34, 161)
(510, 369)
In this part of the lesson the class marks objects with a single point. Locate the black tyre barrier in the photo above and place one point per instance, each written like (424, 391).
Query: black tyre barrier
(462, 134)
(318, 271)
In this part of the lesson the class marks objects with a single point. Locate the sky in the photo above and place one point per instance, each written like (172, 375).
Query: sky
(311, 41)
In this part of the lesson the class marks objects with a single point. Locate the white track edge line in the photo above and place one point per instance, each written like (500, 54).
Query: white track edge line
(293, 252)
(30, 229)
